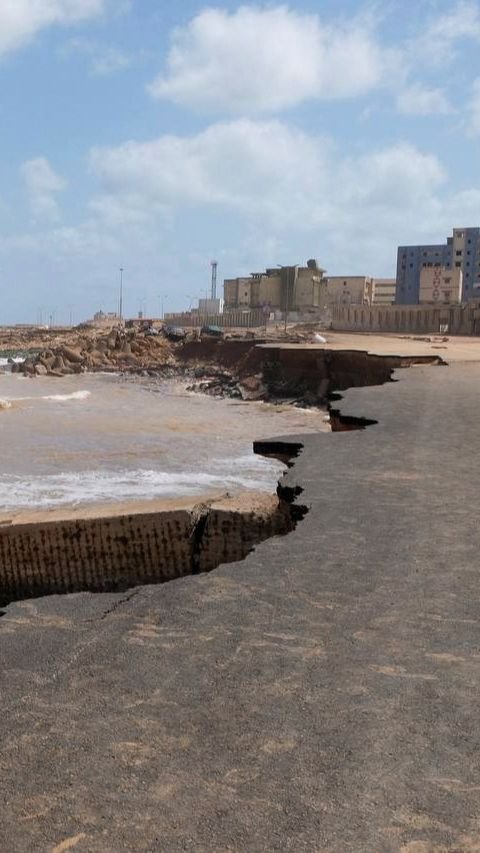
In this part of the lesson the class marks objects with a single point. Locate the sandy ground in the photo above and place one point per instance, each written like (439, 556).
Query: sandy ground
(454, 349)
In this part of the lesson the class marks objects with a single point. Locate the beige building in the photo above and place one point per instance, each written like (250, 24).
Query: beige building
(350, 290)
(441, 285)
(291, 288)
(384, 291)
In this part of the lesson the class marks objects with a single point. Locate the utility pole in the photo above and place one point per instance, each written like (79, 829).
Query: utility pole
(214, 265)
(162, 298)
(287, 298)
(120, 311)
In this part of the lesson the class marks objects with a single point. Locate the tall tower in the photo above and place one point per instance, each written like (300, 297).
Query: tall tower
(214, 265)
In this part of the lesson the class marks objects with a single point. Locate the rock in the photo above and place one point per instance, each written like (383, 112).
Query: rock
(72, 355)
(58, 363)
(252, 388)
(47, 361)
(40, 369)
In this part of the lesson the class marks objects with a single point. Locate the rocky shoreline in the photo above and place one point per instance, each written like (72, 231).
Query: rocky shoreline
(136, 353)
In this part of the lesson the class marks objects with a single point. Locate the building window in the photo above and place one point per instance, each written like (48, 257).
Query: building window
(447, 280)
(458, 264)
(458, 253)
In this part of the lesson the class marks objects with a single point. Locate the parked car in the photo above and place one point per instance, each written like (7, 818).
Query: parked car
(174, 333)
(212, 331)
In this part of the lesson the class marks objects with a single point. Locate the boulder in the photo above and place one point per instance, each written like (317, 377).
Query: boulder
(40, 369)
(72, 355)
(252, 388)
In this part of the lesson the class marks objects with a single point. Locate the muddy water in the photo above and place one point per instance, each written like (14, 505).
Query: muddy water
(94, 439)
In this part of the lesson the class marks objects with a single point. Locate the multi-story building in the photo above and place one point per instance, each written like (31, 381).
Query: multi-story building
(439, 285)
(384, 291)
(349, 289)
(290, 288)
(460, 252)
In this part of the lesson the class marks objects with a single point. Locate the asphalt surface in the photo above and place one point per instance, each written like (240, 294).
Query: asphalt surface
(322, 695)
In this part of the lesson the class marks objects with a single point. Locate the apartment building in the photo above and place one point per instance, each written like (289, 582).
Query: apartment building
(460, 252)
(439, 285)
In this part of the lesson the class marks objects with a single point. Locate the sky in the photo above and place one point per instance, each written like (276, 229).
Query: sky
(157, 136)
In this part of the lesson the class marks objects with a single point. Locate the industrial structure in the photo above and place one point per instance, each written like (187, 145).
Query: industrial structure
(285, 289)
(461, 252)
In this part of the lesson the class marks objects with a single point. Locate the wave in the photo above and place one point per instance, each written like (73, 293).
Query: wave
(60, 398)
(5, 362)
(64, 398)
(19, 492)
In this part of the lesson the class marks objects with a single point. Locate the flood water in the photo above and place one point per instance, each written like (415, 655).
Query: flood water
(98, 439)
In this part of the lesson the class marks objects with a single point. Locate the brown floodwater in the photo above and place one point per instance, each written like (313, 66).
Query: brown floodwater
(98, 439)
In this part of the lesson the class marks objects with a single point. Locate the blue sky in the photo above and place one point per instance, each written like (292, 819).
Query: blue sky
(157, 136)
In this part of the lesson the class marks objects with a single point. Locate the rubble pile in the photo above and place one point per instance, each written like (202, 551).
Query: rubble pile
(218, 382)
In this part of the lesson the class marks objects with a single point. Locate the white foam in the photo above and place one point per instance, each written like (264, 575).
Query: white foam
(61, 398)
(65, 398)
(18, 492)
(4, 362)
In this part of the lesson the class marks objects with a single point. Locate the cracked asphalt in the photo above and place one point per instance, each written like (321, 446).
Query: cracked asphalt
(322, 695)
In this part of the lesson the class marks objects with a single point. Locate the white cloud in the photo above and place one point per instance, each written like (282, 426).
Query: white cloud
(242, 164)
(269, 193)
(103, 59)
(473, 118)
(437, 44)
(20, 20)
(42, 184)
(264, 60)
(284, 183)
(422, 101)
